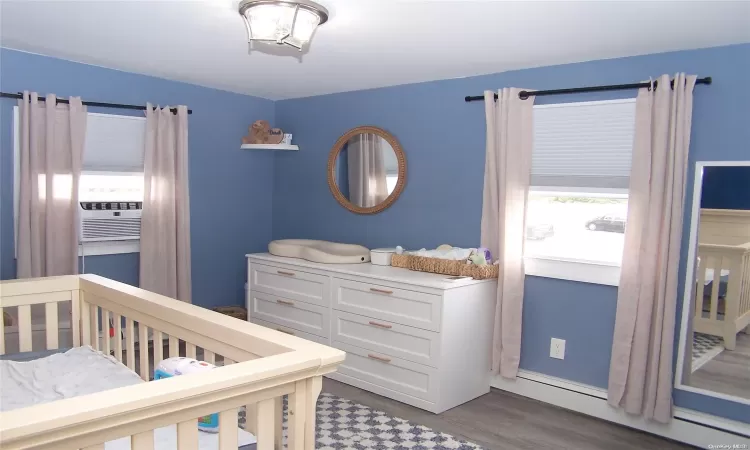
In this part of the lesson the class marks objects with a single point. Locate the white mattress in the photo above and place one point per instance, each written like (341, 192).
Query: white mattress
(82, 371)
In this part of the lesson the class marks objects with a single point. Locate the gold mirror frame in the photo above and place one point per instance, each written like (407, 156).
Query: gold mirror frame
(393, 196)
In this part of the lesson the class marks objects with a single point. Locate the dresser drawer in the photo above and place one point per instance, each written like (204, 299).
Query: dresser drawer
(412, 308)
(392, 339)
(290, 283)
(293, 332)
(396, 374)
(301, 316)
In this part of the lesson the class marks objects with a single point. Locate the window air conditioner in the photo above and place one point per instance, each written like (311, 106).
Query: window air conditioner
(109, 221)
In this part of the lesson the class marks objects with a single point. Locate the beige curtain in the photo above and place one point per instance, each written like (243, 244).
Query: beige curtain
(165, 225)
(640, 377)
(367, 177)
(506, 183)
(51, 150)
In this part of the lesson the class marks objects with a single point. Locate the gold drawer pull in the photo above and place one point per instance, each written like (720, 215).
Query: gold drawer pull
(285, 331)
(381, 291)
(379, 358)
(283, 272)
(381, 325)
(284, 302)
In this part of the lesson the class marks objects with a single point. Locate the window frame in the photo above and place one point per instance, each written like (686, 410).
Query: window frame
(84, 248)
(574, 269)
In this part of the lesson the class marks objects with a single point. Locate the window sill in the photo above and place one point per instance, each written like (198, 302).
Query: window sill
(582, 271)
(109, 248)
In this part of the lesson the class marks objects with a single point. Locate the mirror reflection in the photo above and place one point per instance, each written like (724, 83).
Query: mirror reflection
(720, 311)
(366, 170)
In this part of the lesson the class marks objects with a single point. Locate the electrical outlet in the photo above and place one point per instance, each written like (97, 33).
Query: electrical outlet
(557, 348)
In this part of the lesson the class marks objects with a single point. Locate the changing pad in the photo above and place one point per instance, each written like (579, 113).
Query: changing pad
(81, 371)
(320, 251)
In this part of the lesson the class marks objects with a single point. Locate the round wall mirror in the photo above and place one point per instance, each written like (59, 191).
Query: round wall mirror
(366, 170)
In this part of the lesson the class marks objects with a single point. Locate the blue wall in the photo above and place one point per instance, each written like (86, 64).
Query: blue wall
(444, 140)
(726, 188)
(230, 195)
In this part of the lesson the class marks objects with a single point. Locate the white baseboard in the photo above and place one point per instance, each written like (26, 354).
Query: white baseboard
(690, 427)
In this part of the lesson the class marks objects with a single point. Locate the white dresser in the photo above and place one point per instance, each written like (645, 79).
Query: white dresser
(411, 336)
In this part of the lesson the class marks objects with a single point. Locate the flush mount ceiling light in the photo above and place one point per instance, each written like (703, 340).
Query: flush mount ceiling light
(283, 22)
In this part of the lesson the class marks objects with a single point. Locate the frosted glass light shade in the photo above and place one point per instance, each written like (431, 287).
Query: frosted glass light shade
(284, 22)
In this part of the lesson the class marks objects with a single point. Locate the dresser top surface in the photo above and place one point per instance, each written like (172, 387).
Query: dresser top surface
(388, 273)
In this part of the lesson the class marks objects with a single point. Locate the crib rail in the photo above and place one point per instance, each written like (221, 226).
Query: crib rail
(139, 328)
(736, 315)
(17, 300)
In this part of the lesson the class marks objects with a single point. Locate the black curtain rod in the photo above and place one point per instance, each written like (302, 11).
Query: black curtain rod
(523, 95)
(99, 104)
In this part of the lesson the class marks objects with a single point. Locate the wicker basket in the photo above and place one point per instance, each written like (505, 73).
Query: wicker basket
(444, 266)
(238, 312)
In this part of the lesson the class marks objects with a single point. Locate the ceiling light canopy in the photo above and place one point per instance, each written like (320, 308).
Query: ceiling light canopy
(283, 22)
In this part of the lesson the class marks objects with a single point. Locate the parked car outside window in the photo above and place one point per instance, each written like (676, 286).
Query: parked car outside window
(607, 223)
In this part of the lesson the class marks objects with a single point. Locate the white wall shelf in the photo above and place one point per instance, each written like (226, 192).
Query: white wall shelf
(269, 147)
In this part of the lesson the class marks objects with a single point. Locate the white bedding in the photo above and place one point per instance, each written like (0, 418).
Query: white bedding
(81, 371)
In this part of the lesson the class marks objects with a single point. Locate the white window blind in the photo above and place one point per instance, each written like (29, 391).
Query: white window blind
(114, 143)
(586, 145)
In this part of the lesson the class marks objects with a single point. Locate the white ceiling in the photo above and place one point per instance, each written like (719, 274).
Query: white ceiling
(366, 43)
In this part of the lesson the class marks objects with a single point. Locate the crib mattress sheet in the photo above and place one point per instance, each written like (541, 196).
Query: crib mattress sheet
(81, 371)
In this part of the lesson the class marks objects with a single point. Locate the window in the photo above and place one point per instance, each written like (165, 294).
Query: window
(112, 169)
(578, 199)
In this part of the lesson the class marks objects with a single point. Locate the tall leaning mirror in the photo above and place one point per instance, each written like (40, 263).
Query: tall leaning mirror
(714, 357)
(366, 170)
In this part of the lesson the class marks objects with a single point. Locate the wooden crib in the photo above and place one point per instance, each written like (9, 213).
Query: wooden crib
(260, 367)
(722, 306)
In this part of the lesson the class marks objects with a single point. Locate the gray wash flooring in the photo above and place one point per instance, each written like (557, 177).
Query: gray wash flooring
(727, 373)
(504, 421)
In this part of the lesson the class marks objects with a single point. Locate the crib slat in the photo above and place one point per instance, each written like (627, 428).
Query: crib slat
(715, 288)
(266, 424)
(94, 447)
(24, 328)
(187, 435)
(142, 441)
(75, 324)
(251, 418)
(94, 327)
(143, 350)
(174, 347)
(85, 322)
(130, 343)
(228, 430)
(118, 336)
(296, 417)
(189, 350)
(278, 421)
(106, 345)
(158, 347)
(2, 332)
(228, 361)
(50, 319)
(700, 287)
(208, 356)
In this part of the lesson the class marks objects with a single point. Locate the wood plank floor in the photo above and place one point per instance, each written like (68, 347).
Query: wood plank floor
(728, 373)
(504, 421)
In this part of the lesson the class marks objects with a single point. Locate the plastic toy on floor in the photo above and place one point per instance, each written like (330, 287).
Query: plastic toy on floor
(179, 365)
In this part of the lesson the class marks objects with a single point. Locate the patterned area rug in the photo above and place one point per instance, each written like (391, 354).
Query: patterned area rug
(705, 348)
(343, 424)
